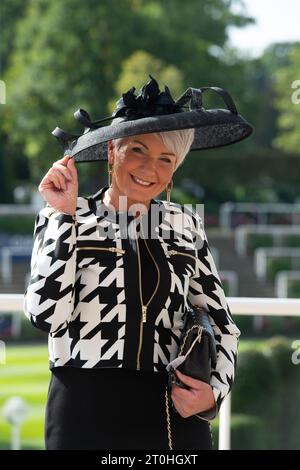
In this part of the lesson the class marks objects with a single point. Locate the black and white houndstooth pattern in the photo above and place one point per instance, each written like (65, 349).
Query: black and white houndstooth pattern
(87, 297)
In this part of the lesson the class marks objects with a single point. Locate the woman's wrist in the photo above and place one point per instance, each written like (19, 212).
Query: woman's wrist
(53, 210)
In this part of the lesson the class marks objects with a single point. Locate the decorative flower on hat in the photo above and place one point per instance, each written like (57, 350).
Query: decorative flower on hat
(150, 101)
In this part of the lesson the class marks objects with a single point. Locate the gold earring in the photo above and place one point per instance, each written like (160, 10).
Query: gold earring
(109, 171)
(169, 189)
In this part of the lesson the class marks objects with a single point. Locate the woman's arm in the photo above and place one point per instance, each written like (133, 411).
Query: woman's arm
(206, 290)
(49, 297)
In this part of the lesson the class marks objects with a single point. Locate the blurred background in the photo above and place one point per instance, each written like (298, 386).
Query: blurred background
(58, 56)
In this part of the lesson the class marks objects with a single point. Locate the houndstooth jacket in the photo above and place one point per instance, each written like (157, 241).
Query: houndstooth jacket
(85, 288)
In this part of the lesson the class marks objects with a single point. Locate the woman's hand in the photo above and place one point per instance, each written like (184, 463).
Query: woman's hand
(59, 187)
(198, 398)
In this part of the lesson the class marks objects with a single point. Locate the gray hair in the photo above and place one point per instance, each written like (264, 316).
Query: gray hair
(177, 142)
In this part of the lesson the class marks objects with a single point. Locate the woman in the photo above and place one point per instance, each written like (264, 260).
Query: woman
(112, 297)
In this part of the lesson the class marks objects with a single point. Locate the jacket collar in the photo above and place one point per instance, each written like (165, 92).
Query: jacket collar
(100, 209)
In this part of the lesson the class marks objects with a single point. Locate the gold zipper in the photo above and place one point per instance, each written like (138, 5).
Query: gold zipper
(144, 307)
(113, 249)
(175, 252)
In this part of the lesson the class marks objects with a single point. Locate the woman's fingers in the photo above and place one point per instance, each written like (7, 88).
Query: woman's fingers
(57, 178)
(61, 179)
(71, 166)
(190, 381)
(64, 160)
(64, 170)
(59, 187)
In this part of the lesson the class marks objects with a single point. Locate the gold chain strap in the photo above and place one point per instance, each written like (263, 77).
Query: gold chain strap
(200, 330)
(168, 421)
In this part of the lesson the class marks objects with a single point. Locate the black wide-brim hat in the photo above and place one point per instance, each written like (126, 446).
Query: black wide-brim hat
(154, 111)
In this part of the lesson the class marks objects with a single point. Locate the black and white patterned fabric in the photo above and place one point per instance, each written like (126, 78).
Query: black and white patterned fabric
(85, 288)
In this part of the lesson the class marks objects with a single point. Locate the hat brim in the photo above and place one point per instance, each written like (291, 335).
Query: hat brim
(213, 128)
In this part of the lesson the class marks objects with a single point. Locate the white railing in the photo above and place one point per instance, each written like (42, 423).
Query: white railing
(252, 306)
(260, 209)
(232, 279)
(237, 305)
(6, 261)
(18, 209)
(262, 254)
(36, 203)
(282, 282)
(277, 232)
(215, 254)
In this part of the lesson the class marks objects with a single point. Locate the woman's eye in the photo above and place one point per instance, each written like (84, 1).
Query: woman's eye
(140, 150)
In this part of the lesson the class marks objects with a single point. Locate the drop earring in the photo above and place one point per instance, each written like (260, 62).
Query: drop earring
(109, 171)
(169, 189)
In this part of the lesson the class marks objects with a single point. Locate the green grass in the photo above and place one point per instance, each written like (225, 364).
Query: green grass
(25, 374)
(258, 344)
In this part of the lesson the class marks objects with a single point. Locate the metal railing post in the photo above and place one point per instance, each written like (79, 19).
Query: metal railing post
(225, 424)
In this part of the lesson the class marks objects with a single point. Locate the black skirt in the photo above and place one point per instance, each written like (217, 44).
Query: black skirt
(116, 409)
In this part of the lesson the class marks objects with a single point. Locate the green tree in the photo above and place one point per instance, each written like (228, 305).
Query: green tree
(11, 11)
(69, 54)
(287, 103)
(136, 70)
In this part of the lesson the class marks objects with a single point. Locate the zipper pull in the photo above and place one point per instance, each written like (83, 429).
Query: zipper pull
(116, 250)
(144, 311)
(172, 252)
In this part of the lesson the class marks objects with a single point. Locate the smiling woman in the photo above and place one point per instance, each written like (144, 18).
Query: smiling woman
(143, 165)
(114, 301)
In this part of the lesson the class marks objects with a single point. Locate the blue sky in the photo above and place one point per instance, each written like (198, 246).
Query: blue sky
(276, 20)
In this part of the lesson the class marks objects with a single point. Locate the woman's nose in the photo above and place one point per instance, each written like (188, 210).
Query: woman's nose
(149, 167)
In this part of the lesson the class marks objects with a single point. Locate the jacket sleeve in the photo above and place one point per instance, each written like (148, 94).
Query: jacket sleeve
(49, 297)
(206, 290)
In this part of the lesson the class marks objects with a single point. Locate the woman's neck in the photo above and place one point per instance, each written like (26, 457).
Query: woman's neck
(121, 203)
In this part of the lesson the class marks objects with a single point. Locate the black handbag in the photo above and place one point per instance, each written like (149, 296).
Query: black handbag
(197, 355)
(197, 351)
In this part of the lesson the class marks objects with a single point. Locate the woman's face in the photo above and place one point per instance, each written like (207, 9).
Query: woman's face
(142, 167)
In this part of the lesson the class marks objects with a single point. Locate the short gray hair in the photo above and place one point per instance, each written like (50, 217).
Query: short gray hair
(177, 142)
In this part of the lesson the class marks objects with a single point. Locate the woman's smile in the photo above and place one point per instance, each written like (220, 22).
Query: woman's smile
(141, 182)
